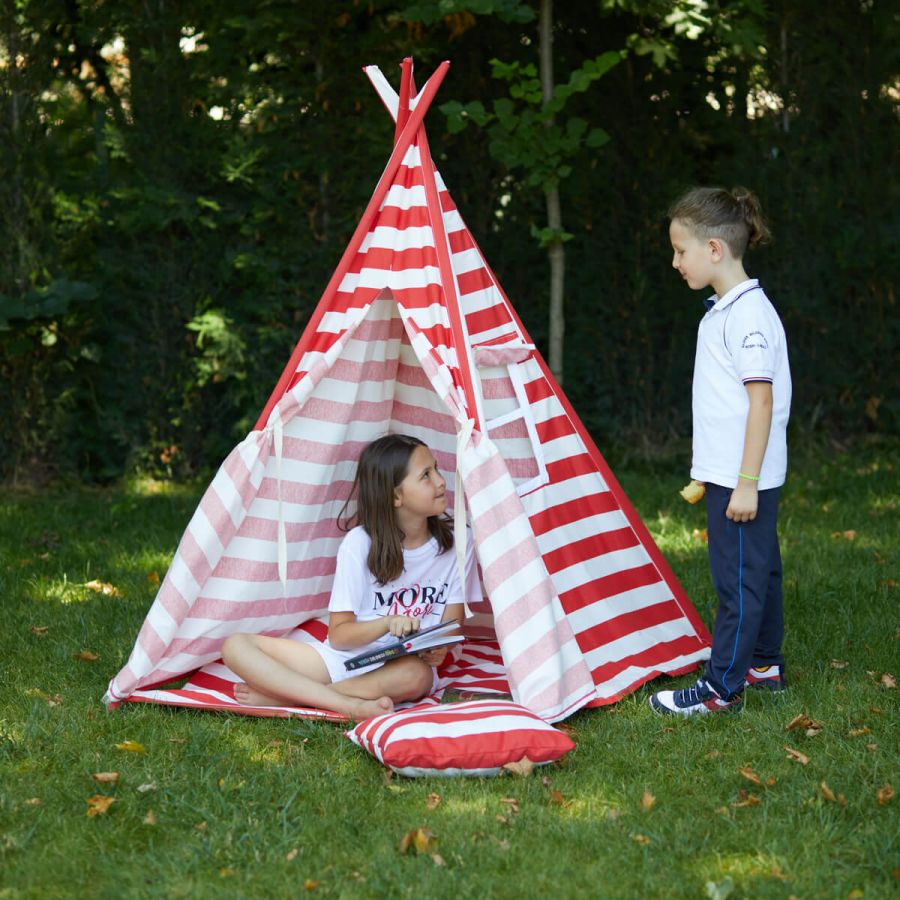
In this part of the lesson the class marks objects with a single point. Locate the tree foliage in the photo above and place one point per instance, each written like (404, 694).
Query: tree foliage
(179, 181)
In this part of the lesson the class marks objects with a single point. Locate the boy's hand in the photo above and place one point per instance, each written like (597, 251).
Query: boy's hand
(434, 656)
(743, 503)
(401, 626)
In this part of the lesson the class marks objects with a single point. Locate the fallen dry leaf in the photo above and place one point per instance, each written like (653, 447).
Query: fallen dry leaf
(149, 786)
(437, 859)
(641, 839)
(85, 656)
(201, 827)
(873, 747)
(98, 805)
(557, 798)
(523, 767)
(796, 755)
(810, 726)
(511, 804)
(432, 801)
(888, 681)
(745, 799)
(291, 854)
(802, 720)
(849, 535)
(33, 801)
(750, 775)
(713, 754)
(839, 664)
(153, 578)
(422, 840)
(648, 801)
(884, 794)
(150, 818)
(777, 872)
(828, 794)
(103, 587)
(310, 885)
(131, 747)
(40, 630)
(701, 535)
(857, 732)
(106, 777)
(226, 872)
(49, 699)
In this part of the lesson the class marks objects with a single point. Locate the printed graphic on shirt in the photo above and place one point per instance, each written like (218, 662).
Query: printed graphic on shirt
(755, 340)
(415, 601)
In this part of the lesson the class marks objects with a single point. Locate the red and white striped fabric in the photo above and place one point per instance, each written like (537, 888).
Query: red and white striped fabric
(413, 334)
(478, 737)
(473, 667)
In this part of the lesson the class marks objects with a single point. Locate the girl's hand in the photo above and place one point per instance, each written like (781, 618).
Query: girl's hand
(434, 656)
(401, 626)
(743, 503)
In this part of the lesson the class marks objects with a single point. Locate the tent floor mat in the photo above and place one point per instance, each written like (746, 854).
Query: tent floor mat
(472, 667)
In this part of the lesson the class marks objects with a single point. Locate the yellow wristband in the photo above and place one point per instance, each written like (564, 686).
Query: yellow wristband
(748, 477)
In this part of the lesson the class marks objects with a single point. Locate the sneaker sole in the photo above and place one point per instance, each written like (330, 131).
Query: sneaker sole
(659, 708)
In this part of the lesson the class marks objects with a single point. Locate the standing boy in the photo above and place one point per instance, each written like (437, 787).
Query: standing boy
(741, 403)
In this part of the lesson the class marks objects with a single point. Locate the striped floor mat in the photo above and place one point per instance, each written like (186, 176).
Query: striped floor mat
(473, 667)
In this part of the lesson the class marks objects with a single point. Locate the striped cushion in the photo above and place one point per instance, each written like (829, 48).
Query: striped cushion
(474, 738)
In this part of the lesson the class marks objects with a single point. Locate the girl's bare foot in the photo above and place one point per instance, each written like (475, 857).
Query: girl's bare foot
(365, 709)
(247, 696)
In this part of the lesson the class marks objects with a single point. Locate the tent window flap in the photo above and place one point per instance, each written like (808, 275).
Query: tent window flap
(510, 425)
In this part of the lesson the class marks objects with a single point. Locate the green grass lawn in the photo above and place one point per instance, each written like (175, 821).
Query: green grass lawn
(223, 805)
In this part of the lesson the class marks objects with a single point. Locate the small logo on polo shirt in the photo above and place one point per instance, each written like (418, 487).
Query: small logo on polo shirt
(756, 340)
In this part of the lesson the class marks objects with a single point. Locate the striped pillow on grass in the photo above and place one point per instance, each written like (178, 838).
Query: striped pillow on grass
(478, 737)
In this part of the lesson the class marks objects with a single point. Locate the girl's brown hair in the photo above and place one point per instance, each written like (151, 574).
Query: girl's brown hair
(383, 465)
(733, 216)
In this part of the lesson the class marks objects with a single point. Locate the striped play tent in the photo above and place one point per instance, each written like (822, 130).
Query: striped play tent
(414, 334)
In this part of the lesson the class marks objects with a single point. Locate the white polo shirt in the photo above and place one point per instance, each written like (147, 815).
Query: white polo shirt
(740, 339)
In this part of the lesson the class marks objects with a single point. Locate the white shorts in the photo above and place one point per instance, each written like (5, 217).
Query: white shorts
(337, 671)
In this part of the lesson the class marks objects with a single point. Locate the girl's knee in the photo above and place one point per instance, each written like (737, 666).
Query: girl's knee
(233, 646)
(419, 676)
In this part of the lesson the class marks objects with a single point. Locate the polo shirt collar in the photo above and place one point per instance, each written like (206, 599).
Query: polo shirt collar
(738, 290)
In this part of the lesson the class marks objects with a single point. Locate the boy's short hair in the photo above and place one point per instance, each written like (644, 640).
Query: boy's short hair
(732, 216)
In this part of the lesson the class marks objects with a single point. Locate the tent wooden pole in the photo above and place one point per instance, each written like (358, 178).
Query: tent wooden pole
(403, 107)
(448, 279)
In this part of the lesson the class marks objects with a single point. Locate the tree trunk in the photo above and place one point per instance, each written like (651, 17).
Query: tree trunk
(555, 250)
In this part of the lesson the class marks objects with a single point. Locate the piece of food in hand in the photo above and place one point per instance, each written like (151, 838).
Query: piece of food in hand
(693, 492)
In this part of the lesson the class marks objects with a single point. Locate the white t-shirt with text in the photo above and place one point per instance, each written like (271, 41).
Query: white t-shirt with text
(428, 584)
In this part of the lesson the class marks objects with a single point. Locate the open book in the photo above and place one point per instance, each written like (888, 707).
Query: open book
(426, 638)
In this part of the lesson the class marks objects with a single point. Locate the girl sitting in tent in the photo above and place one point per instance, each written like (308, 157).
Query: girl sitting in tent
(395, 573)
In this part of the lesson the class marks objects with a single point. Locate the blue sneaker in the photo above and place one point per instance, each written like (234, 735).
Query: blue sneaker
(697, 700)
(766, 678)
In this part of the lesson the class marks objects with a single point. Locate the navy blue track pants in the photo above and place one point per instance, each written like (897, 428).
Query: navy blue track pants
(745, 563)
